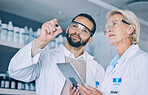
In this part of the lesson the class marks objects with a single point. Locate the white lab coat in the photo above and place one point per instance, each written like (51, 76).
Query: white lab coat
(133, 69)
(42, 68)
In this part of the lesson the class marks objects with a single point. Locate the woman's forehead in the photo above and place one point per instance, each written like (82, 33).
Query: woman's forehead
(114, 17)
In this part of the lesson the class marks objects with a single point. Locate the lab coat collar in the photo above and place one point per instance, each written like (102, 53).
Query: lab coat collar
(132, 51)
(117, 58)
(71, 55)
(126, 56)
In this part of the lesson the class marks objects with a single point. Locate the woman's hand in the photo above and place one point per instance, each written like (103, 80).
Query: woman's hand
(74, 90)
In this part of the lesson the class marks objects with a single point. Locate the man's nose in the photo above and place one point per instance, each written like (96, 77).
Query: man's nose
(78, 31)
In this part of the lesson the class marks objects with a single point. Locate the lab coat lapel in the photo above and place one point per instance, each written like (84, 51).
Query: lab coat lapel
(119, 65)
(90, 71)
(60, 59)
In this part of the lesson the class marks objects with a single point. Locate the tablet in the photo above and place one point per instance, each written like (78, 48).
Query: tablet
(70, 73)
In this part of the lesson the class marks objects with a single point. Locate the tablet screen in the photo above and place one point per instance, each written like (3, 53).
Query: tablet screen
(70, 73)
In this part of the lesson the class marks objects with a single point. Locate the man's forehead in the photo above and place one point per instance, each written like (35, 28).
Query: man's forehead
(85, 21)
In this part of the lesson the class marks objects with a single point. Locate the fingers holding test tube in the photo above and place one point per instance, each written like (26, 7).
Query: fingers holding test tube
(48, 32)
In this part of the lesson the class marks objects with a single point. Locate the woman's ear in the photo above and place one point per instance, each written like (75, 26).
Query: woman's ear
(131, 29)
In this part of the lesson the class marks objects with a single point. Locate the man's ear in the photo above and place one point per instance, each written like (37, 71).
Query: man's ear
(67, 29)
(131, 29)
(90, 40)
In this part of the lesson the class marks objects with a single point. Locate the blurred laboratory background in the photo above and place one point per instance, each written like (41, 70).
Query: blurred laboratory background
(21, 20)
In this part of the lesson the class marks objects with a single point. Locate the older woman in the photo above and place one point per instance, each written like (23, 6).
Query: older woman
(127, 73)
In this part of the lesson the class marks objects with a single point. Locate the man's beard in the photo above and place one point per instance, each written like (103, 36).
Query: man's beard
(75, 44)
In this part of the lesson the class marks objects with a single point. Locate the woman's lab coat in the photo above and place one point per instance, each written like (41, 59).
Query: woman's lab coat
(43, 69)
(130, 75)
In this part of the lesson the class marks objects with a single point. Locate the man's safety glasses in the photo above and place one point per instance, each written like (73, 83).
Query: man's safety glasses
(81, 28)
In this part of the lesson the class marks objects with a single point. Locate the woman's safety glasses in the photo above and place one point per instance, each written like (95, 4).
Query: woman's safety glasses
(115, 23)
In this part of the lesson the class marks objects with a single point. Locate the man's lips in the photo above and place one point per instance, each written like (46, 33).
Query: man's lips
(75, 36)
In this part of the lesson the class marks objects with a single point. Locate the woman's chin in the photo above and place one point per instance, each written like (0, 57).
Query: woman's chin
(112, 42)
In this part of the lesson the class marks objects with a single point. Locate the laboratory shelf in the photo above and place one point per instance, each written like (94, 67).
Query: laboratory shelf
(16, 92)
(11, 44)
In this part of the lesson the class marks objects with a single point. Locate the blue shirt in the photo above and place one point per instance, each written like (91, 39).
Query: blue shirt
(117, 58)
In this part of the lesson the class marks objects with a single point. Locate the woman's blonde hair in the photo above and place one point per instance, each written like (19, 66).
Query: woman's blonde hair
(131, 18)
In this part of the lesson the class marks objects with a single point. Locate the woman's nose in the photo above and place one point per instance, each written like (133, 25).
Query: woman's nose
(109, 29)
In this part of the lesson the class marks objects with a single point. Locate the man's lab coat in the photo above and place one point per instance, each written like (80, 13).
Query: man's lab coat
(42, 68)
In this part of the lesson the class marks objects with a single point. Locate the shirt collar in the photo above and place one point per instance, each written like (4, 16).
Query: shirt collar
(71, 55)
(114, 62)
(117, 58)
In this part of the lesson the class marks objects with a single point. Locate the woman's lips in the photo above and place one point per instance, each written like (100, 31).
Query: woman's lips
(111, 35)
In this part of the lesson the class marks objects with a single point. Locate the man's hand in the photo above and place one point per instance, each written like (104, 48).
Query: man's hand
(48, 32)
(87, 90)
(74, 91)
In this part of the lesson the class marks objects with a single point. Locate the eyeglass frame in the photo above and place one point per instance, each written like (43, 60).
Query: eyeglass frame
(90, 32)
(123, 21)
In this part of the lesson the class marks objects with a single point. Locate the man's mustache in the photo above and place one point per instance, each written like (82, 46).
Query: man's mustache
(76, 35)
